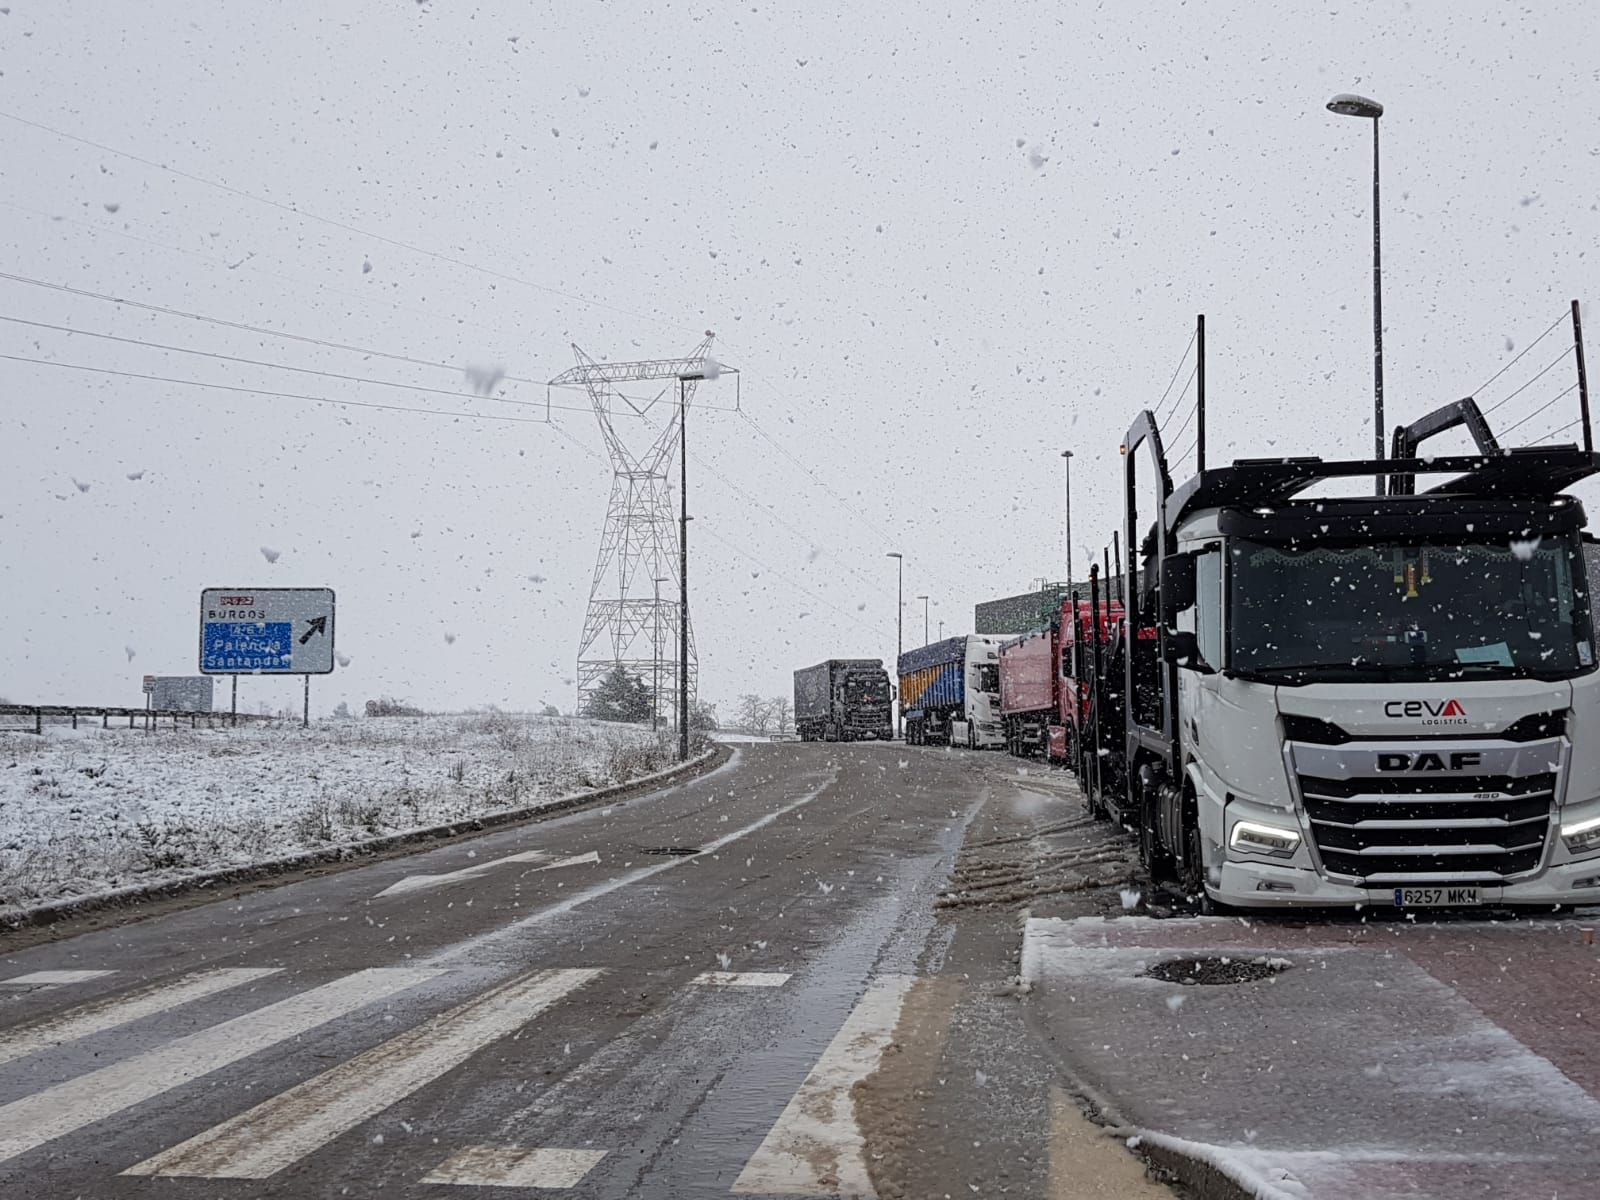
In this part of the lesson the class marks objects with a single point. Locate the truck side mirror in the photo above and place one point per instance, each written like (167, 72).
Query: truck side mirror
(1183, 648)
(1177, 585)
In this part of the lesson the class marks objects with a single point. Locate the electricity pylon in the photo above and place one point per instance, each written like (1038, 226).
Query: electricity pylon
(631, 622)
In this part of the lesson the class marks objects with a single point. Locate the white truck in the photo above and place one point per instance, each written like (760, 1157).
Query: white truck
(1384, 699)
(950, 693)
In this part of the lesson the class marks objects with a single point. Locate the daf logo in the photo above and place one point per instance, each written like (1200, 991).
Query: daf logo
(1456, 760)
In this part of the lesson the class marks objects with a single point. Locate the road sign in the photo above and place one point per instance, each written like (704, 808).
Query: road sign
(149, 684)
(266, 631)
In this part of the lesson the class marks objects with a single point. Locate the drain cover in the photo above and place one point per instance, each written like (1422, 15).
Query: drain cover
(672, 851)
(1217, 970)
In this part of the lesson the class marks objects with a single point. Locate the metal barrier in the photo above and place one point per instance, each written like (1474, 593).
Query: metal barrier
(151, 718)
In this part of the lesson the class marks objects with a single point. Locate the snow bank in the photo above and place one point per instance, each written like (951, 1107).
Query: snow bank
(91, 810)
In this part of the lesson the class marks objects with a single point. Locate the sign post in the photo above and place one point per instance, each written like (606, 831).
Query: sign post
(267, 631)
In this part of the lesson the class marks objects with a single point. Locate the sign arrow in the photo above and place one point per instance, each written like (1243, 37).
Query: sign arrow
(416, 883)
(314, 625)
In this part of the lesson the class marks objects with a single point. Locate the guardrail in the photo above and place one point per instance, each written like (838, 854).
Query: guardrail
(151, 717)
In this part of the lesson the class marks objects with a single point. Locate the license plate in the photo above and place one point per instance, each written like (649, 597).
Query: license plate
(1436, 897)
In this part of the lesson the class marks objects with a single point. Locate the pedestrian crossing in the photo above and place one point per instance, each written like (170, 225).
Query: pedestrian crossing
(260, 1140)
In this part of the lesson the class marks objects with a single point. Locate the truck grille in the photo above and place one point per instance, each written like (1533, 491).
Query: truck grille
(1391, 830)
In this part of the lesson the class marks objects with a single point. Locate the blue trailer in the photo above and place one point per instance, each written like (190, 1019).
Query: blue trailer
(950, 692)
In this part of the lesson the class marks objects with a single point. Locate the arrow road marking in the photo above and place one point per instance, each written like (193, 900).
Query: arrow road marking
(415, 883)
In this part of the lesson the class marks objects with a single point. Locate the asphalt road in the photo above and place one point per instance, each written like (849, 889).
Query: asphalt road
(747, 984)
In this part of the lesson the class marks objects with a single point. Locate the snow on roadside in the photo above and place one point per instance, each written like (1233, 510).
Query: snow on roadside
(90, 810)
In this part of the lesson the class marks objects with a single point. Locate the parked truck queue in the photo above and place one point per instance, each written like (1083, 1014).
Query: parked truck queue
(1320, 683)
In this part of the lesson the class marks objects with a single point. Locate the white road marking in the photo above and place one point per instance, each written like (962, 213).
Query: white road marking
(576, 860)
(741, 978)
(34, 1120)
(512, 1166)
(284, 1129)
(415, 883)
(578, 899)
(51, 978)
(100, 1015)
(815, 1149)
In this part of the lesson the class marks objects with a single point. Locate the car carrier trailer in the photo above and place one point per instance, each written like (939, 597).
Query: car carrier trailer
(1379, 699)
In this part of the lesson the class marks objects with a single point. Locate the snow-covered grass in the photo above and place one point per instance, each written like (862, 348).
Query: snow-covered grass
(90, 810)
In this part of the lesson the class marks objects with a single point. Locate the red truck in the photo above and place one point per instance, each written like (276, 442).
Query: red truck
(1043, 696)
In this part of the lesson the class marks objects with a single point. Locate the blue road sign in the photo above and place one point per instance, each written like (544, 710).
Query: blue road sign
(247, 646)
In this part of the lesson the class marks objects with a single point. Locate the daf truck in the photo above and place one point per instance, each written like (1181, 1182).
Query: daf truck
(1387, 698)
(843, 700)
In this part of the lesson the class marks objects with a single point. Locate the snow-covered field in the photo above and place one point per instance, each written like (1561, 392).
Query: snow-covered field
(90, 810)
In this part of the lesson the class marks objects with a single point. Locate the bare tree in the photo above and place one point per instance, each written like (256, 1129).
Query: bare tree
(782, 709)
(755, 715)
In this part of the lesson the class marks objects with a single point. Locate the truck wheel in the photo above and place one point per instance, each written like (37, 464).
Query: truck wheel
(1193, 876)
(1157, 861)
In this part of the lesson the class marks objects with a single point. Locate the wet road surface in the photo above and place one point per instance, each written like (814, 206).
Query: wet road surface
(744, 984)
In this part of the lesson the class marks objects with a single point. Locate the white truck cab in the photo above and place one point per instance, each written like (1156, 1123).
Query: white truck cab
(1381, 699)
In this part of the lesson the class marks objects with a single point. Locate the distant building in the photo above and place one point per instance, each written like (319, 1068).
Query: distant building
(1029, 611)
(1019, 614)
(181, 693)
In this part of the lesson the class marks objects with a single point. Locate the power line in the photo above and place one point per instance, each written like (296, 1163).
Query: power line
(791, 582)
(332, 222)
(815, 478)
(737, 549)
(217, 260)
(771, 512)
(345, 227)
(256, 362)
(224, 387)
(239, 325)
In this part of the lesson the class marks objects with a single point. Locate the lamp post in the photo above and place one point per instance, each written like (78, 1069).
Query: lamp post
(655, 665)
(1360, 106)
(683, 564)
(899, 628)
(1067, 457)
(924, 600)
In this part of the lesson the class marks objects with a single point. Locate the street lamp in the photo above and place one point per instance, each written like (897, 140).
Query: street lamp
(655, 666)
(899, 622)
(924, 600)
(1360, 106)
(683, 563)
(1067, 456)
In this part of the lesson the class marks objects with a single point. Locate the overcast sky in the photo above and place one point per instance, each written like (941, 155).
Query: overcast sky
(940, 246)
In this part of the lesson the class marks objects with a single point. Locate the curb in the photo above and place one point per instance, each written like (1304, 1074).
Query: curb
(55, 911)
(1203, 1170)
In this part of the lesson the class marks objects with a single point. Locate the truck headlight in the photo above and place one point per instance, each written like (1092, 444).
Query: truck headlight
(1252, 837)
(1582, 835)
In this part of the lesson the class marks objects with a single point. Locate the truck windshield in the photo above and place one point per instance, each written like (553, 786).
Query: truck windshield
(1439, 610)
(986, 677)
(867, 691)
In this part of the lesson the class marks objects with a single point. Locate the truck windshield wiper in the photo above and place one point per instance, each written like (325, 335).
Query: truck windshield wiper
(1342, 664)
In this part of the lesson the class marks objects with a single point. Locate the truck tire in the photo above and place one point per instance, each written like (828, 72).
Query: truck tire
(1157, 861)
